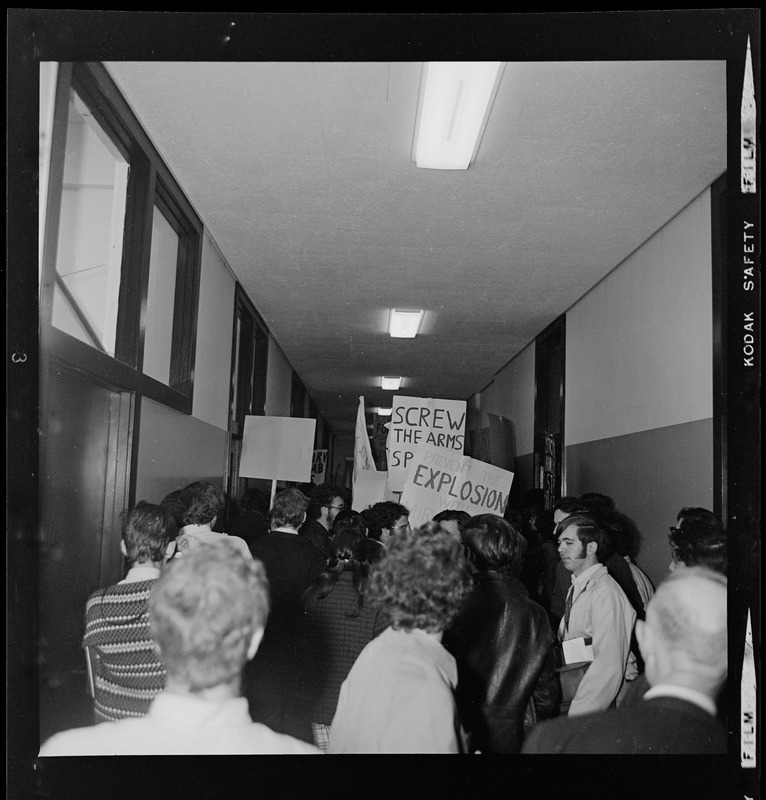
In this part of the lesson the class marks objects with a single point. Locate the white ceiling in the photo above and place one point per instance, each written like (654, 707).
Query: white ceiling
(303, 175)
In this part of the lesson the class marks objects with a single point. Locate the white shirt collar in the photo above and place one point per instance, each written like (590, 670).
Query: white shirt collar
(683, 693)
(585, 575)
(284, 529)
(141, 572)
(195, 529)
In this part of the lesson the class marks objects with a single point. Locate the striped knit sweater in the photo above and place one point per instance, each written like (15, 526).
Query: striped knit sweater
(128, 674)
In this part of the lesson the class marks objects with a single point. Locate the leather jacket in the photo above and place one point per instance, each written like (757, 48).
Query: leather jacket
(503, 644)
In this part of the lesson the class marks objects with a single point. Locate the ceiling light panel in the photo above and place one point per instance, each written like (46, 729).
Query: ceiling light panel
(405, 324)
(455, 100)
(390, 384)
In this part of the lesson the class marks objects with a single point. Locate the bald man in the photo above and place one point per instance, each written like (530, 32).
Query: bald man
(684, 644)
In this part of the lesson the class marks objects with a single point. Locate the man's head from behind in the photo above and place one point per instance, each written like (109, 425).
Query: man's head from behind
(698, 539)
(684, 638)
(148, 531)
(453, 521)
(494, 544)
(422, 580)
(289, 509)
(568, 505)
(207, 614)
(202, 502)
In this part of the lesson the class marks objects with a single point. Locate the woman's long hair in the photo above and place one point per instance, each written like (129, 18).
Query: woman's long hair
(348, 554)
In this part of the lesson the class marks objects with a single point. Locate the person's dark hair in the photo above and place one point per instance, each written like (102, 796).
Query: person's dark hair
(383, 515)
(621, 532)
(421, 581)
(347, 513)
(699, 539)
(288, 509)
(172, 502)
(203, 611)
(456, 514)
(599, 503)
(348, 553)
(453, 513)
(570, 505)
(514, 518)
(587, 530)
(253, 499)
(494, 544)
(349, 521)
(321, 496)
(147, 529)
(202, 502)
(460, 516)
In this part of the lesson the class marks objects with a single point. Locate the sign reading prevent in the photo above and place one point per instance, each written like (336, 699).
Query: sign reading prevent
(439, 479)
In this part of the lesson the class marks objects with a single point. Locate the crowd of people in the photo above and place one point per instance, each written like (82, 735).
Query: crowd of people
(310, 628)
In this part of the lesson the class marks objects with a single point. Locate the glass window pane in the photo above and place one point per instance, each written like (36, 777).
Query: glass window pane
(158, 340)
(89, 251)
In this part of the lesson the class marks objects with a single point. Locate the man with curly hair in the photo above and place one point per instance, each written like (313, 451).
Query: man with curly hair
(207, 615)
(384, 520)
(398, 696)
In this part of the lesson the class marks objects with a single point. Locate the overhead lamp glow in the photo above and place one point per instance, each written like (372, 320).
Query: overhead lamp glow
(390, 384)
(405, 324)
(455, 99)
(384, 412)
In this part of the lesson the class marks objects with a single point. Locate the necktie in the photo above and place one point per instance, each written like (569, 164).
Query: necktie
(568, 607)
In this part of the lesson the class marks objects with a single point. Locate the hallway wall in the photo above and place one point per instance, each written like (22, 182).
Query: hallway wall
(639, 385)
(175, 448)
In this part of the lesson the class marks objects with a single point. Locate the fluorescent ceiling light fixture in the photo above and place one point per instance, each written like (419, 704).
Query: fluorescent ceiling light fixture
(405, 324)
(384, 412)
(455, 99)
(390, 384)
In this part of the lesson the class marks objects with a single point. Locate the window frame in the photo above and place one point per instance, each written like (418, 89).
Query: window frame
(150, 183)
(250, 350)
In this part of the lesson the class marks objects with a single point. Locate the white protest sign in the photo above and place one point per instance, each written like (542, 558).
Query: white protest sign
(279, 448)
(416, 420)
(319, 466)
(369, 488)
(439, 479)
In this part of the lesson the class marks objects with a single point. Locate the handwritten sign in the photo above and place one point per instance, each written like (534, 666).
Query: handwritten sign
(439, 479)
(279, 448)
(319, 466)
(415, 421)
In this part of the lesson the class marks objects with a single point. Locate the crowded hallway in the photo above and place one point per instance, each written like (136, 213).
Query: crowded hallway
(437, 645)
(249, 516)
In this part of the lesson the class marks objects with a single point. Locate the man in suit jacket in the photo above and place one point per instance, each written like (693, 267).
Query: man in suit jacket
(277, 680)
(684, 644)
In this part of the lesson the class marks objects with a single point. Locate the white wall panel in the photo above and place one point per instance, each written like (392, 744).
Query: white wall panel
(639, 344)
(279, 382)
(212, 371)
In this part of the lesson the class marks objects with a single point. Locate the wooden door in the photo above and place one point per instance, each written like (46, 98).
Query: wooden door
(84, 474)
